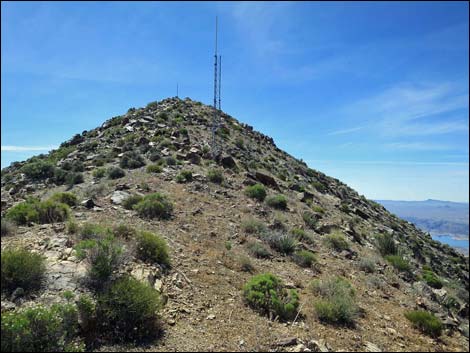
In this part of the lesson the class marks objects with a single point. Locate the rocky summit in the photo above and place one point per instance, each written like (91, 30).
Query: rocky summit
(135, 236)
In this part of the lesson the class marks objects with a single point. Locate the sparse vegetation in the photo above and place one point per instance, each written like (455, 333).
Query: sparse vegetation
(304, 258)
(337, 304)
(154, 206)
(184, 176)
(68, 198)
(103, 257)
(38, 170)
(278, 202)
(131, 160)
(302, 236)
(258, 250)
(425, 322)
(310, 219)
(21, 269)
(257, 191)
(99, 173)
(266, 294)
(337, 241)
(154, 168)
(282, 242)
(33, 210)
(131, 201)
(41, 329)
(128, 311)
(432, 279)
(215, 175)
(8, 227)
(367, 265)
(399, 263)
(115, 173)
(386, 245)
(152, 248)
(253, 226)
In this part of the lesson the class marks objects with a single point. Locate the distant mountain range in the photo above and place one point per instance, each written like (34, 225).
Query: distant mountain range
(447, 221)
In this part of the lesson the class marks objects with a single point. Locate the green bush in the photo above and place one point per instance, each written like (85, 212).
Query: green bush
(131, 160)
(432, 279)
(282, 242)
(257, 191)
(239, 142)
(93, 231)
(68, 198)
(253, 226)
(425, 322)
(337, 301)
(266, 294)
(399, 263)
(184, 176)
(367, 265)
(73, 178)
(305, 258)
(40, 329)
(38, 170)
(21, 269)
(215, 176)
(103, 258)
(386, 245)
(154, 206)
(337, 241)
(33, 210)
(8, 227)
(302, 235)
(131, 201)
(310, 219)
(277, 201)
(82, 246)
(258, 250)
(152, 248)
(154, 168)
(99, 173)
(245, 264)
(128, 310)
(124, 231)
(115, 173)
(72, 227)
(318, 209)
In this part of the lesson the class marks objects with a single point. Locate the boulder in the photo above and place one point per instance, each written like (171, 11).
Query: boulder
(118, 197)
(266, 179)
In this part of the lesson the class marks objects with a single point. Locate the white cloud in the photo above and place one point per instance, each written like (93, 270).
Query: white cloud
(26, 148)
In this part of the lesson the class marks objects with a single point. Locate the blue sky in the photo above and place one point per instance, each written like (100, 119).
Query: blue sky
(374, 94)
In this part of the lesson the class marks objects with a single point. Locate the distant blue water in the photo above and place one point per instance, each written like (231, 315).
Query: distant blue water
(447, 239)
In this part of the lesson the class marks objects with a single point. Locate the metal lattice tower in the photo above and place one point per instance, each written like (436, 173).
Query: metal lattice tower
(220, 76)
(214, 119)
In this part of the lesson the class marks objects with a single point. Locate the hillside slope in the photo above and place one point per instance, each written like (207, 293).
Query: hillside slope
(209, 237)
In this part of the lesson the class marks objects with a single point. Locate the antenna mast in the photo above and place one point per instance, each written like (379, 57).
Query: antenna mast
(177, 90)
(214, 119)
(220, 76)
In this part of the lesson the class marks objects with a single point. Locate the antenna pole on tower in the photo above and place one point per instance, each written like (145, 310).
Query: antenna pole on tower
(220, 76)
(177, 90)
(214, 119)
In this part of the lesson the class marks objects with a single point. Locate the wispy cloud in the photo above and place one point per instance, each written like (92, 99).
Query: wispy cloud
(345, 131)
(418, 146)
(26, 148)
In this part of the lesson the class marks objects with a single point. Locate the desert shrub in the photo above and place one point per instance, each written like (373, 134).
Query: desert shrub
(154, 206)
(184, 176)
(258, 250)
(68, 198)
(33, 210)
(228, 245)
(170, 160)
(282, 242)
(87, 313)
(154, 168)
(302, 235)
(398, 262)
(115, 173)
(245, 264)
(386, 245)
(318, 209)
(74, 178)
(215, 176)
(337, 301)
(50, 211)
(310, 219)
(94, 191)
(103, 259)
(38, 170)
(72, 227)
(99, 173)
(152, 248)
(21, 269)
(124, 231)
(40, 329)
(253, 226)
(131, 201)
(23, 213)
(257, 191)
(127, 310)
(277, 201)
(73, 166)
(266, 294)
(93, 231)
(432, 279)
(367, 265)
(239, 142)
(131, 160)
(8, 227)
(337, 241)
(82, 246)
(154, 155)
(425, 322)
(304, 258)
